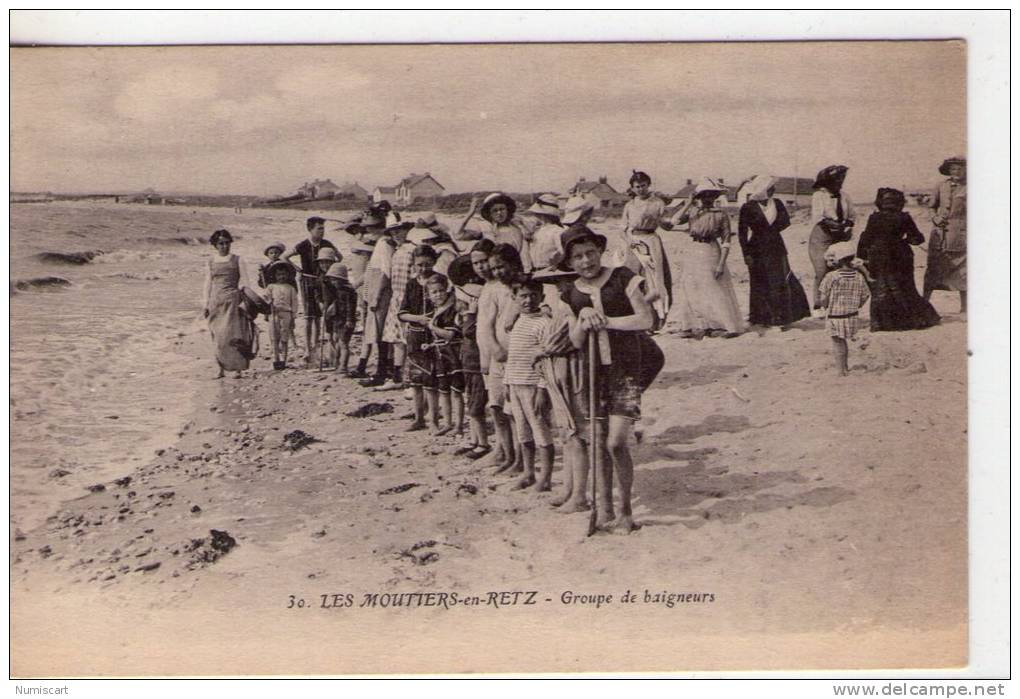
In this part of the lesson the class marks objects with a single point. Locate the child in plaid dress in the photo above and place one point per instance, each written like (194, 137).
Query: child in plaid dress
(843, 291)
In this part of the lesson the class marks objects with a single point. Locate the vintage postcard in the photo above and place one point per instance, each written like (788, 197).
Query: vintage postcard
(305, 342)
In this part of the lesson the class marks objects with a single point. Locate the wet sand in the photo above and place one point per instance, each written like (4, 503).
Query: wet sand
(817, 522)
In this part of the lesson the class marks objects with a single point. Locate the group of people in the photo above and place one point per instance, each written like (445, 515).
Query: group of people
(530, 323)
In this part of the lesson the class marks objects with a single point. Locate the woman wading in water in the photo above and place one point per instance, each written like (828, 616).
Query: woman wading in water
(225, 276)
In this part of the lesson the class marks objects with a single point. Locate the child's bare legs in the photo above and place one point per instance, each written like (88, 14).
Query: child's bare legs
(619, 433)
(518, 462)
(604, 494)
(344, 355)
(478, 431)
(841, 351)
(221, 372)
(575, 479)
(446, 403)
(432, 396)
(274, 340)
(458, 413)
(504, 437)
(527, 450)
(545, 455)
(419, 410)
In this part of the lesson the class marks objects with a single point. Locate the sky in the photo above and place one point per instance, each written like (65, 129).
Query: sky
(523, 118)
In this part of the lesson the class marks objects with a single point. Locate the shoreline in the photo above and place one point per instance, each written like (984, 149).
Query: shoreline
(745, 483)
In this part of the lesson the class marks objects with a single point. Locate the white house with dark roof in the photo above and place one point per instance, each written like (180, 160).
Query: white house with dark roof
(318, 189)
(416, 186)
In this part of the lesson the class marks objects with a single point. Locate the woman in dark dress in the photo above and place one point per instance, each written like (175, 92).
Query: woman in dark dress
(885, 249)
(777, 297)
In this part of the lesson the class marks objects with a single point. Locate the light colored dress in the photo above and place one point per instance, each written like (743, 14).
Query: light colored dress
(646, 255)
(400, 273)
(947, 248)
(231, 329)
(825, 205)
(706, 303)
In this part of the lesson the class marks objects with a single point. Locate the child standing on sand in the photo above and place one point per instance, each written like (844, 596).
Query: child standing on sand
(842, 292)
(522, 378)
(609, 304)
(446, 372)
(283, 299)
(416, 313)
(341, 314)
(468, 283)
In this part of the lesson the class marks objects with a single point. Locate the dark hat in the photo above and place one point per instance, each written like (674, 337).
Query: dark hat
(827, 174)
(578, 234)
(460, 272)
(956, 160)
(399, 226)
(497, 198)
(884, 192)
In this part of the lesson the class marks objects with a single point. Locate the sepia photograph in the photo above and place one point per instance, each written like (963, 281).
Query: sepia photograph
(364, 358)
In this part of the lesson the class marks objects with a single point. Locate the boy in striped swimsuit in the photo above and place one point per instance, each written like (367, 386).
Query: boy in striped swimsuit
(521, 379)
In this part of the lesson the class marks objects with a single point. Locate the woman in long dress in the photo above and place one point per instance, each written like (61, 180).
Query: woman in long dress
(776, 298)
(707, 302)
(885, 248)
(642, 217)
(231, 328)
(832, 214)
(947, 249)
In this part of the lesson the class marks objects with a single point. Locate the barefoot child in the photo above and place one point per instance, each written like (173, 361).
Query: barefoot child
(283, 298)
(842, 292)
(416, 313)
(446, 371)
(522, 379)
(496, 309)
(468, 283)
(341, 304)
(610, 303)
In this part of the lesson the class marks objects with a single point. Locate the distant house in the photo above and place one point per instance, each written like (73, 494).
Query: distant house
(601, 190)
(795, 192)
(353, 191)
(380, 193)
(416, 186)
(318, 189)
(730, 198)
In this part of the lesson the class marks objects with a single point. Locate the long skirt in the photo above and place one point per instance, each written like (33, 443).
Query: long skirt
(947, 271)
(231, 330)
(375, 321)
(895, 303)
(777, 298)
(818, 243)
(704, 302)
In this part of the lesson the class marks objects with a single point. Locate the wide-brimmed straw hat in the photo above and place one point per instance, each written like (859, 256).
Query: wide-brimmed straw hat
(826, 175)
(337, 271)
(575, 209)
(420, 236)
(328, 254)
(706, 186)
(840, 251)
(553, 275)
(546, 205)
(956, 160)
(280, 246)
(757, 188)
(363, 248)
(492, 200)
(275, 267)
(461, 272)
(574, 235)
(429, 220)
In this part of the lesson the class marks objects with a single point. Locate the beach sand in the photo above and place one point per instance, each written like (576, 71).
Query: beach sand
(804, 520)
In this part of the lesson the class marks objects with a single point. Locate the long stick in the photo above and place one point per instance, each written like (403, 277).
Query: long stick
(594, 451)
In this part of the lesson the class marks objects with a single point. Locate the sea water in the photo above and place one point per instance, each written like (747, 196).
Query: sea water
(103, 297)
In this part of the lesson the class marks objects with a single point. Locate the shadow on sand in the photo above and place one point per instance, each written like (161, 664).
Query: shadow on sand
(697, 488)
